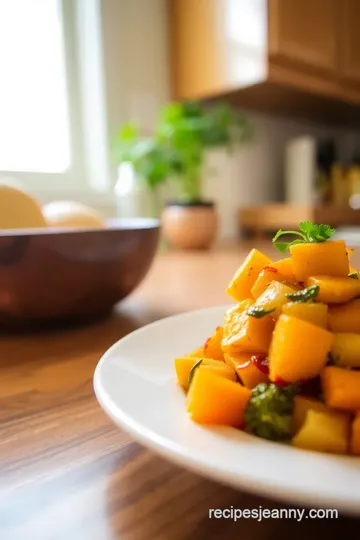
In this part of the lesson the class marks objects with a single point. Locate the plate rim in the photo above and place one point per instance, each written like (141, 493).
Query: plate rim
(172, 451)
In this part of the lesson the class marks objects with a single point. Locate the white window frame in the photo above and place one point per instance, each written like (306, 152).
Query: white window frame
(88, 129)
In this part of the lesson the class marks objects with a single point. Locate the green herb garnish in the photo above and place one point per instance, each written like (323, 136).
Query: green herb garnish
(259, 312)
(355, 275)
(309, 233)
(310, 293)
(192, 371)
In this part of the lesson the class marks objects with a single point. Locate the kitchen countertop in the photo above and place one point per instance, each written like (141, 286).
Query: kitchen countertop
(67, 473)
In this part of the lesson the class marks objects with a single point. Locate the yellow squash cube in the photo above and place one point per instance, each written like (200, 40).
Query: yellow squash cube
(241, 284)
(323, 432)
(312, 312)
(335, 290)
(346, 349)
(243, 333)
(345, 317)
(303, 404)
(274, 297)
(212, 346)
(285, 267)
(324, 258)
(266, 276)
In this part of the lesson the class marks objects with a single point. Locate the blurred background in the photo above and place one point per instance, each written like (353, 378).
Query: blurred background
(263, 121)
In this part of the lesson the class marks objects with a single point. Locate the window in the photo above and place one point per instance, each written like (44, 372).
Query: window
(34, 113)
(52, 117)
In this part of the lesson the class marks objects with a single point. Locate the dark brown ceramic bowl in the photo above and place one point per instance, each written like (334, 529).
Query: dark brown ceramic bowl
(48, 276)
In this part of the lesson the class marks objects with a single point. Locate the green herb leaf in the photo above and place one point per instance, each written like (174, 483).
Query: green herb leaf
(316, 233)
(192, 371)
(310, 293)
(259, 312)
(284, 246)
(309, 233)
(355, 275)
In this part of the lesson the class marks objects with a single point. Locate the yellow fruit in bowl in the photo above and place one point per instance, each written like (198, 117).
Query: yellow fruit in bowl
(18, 210)
(72, 214)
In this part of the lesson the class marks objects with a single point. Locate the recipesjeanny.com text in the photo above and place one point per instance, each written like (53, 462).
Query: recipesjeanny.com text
(260, 513)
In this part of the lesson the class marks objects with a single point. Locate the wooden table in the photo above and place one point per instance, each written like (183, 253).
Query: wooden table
(68, 474)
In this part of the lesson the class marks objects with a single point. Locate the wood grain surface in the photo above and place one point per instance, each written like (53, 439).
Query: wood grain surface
(68, 474)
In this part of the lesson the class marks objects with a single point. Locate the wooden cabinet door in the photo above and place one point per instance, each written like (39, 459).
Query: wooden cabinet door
(304, 33)
(350, 40)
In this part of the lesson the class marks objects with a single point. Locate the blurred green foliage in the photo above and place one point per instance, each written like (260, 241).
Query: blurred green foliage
(185, 131)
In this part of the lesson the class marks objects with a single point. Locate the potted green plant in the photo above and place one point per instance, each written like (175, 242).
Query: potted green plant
(176, 152)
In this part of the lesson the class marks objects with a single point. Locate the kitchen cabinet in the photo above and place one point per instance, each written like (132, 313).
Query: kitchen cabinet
(293, 57)
(350, 41)
(302, 33)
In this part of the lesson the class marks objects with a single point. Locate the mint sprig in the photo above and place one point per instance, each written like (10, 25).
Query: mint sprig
(309, 233)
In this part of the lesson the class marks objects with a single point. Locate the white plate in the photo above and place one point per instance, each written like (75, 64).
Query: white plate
(136, 386)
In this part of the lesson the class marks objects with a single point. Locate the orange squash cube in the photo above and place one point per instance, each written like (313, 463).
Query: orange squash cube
(334, 289)
(212, 346)
(197, 353)
(266, 276)
(215, 400)
(324, 258)
(341, 388)
(246, 369)
(285, 267)
(312, 312)
(220, 369)
(183, 367)
(298, 350)
(345, 317)
(241, 284)
(243, 333)
(355, 436)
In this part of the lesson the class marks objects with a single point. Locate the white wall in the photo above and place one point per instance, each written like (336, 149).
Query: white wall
(255, 174)
(136, 61)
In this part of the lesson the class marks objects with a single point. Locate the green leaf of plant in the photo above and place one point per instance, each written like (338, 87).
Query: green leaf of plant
(282, 246)
(183, 134)
(355, 275)
(308, 233)
(316, 233)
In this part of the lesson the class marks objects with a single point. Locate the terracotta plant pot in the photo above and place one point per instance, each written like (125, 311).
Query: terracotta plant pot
(190, 225)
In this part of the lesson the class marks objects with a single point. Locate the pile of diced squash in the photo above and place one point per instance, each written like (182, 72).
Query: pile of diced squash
(292, 341)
